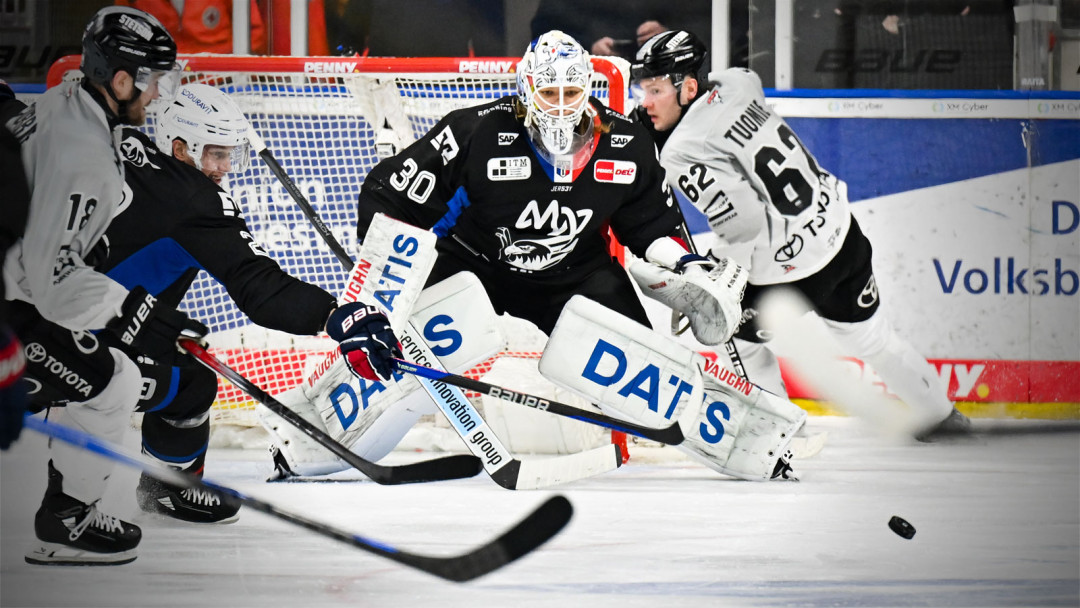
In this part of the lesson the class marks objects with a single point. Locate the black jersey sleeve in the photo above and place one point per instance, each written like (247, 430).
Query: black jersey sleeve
(417, 185)
(219, 239)
(650, 211)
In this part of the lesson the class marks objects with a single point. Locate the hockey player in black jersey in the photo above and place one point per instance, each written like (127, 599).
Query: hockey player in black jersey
(522, 192)
(179, 221)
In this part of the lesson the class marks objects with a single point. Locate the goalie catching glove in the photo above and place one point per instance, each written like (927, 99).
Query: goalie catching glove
(151, 327)
(366, 340)
(707, 291)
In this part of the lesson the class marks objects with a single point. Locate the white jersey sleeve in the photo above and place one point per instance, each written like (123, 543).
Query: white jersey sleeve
(772, 206)
(76, 180)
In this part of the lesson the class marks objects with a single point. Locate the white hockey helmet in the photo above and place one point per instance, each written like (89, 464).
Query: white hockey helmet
(202, 115)
(554, 61)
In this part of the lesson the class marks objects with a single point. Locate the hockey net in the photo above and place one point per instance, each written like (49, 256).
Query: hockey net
(325, 119)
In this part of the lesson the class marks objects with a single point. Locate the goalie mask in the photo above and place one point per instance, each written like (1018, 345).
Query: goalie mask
(553, 79)
(201, 116)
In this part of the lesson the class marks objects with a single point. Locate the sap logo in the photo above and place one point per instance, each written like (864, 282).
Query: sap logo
(330, 67)
(1006, 278)
(505, 139)
(615, 171)
(608, 365)
(485, 67)
(620, 141)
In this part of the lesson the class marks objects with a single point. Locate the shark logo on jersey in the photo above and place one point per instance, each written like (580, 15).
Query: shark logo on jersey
(551, 235)
(135, 153)
(620, 141)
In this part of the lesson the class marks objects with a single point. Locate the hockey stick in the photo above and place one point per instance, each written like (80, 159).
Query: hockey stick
(671, 435)
(448, 467)
(528, 534)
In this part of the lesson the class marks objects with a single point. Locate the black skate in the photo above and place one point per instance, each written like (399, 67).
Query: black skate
(783, 470)
(953, 425)
(195, 505)
(72, 533)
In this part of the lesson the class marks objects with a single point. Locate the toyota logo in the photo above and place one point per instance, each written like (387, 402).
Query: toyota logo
(789, 250)
(35, 352)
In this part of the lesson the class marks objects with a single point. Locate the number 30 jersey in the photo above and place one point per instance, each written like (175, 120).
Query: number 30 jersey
(773, 207)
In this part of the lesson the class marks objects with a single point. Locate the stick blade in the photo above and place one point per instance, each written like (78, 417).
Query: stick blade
(536, 529)
(458, 466)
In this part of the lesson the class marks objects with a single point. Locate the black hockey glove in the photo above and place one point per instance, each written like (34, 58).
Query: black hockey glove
(367, 342)
(12, 388)
(150, 327)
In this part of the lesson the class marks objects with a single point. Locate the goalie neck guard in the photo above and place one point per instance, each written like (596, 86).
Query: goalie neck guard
(202, 115)
(554, 78)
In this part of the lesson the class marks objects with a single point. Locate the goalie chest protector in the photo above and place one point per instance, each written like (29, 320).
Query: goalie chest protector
(477, 176)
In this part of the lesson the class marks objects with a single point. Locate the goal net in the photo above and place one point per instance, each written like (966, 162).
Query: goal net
(326, 119)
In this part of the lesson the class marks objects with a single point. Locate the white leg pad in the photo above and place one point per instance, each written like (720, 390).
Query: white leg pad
(106, 416)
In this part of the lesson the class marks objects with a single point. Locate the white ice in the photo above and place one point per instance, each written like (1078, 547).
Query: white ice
(997, 520)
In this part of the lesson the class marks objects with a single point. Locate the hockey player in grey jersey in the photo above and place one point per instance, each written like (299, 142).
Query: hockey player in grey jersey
(74, 171)
(777, 212)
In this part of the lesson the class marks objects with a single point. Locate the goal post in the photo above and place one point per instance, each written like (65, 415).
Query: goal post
(326, 119)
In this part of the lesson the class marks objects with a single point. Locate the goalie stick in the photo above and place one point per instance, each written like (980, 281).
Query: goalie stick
(458, 466)
(671, 435)
(534, 530)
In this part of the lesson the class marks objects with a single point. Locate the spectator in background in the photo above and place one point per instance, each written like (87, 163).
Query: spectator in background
(620, 27)
(202, 26)
(417, 28)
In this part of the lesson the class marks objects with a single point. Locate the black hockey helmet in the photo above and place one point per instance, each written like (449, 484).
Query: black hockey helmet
(673, 53)
(123, 38)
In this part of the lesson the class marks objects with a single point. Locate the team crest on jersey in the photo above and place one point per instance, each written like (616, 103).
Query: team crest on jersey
(615, 171)
(135, 153)
(541, 239)
(620, 141)
(509, 168)
(505, 139)
(447, 146)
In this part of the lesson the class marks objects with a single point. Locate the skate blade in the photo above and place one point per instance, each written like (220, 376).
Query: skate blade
(54, 554)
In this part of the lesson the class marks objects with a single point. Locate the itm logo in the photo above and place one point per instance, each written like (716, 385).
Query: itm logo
(541, 239)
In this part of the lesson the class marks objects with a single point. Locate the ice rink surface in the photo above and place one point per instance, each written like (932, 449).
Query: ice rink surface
(997, 520)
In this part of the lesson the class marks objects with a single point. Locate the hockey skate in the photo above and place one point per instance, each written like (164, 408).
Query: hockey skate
(72, 533)
(954, 424)
(783, 470)
(194, 505)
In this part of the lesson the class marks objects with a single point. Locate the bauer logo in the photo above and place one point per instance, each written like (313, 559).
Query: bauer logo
(509, 168)
(505, 139)
(620, 141)
(615, 171)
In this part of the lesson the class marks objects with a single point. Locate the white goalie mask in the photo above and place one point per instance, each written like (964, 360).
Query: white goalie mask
(202, 115)
(554, 79)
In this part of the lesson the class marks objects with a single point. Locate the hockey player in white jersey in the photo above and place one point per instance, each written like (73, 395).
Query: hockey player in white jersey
(74, 171)
(777, 212)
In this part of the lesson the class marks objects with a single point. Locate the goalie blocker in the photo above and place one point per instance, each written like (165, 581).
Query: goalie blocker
(731, 425)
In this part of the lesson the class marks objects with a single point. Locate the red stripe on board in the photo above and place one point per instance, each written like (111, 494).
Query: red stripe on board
(981, 380)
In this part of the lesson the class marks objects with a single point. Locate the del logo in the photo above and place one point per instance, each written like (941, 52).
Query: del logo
(620, 141)
(615, 171)
(505, 139)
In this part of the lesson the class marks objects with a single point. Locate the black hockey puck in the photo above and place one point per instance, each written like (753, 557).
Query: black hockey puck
(902, 527)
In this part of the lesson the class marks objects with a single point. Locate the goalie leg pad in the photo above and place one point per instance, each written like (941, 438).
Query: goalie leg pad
(730, 424)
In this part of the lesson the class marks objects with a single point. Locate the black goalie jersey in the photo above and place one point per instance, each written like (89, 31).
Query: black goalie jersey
(477, 179)
(175, 220)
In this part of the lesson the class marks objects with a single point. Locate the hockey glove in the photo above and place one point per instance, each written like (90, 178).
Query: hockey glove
(366, 340)
(152, 328)
(12, 388)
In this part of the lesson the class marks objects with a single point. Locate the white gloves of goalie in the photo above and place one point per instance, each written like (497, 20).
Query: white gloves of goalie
(706, 290)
